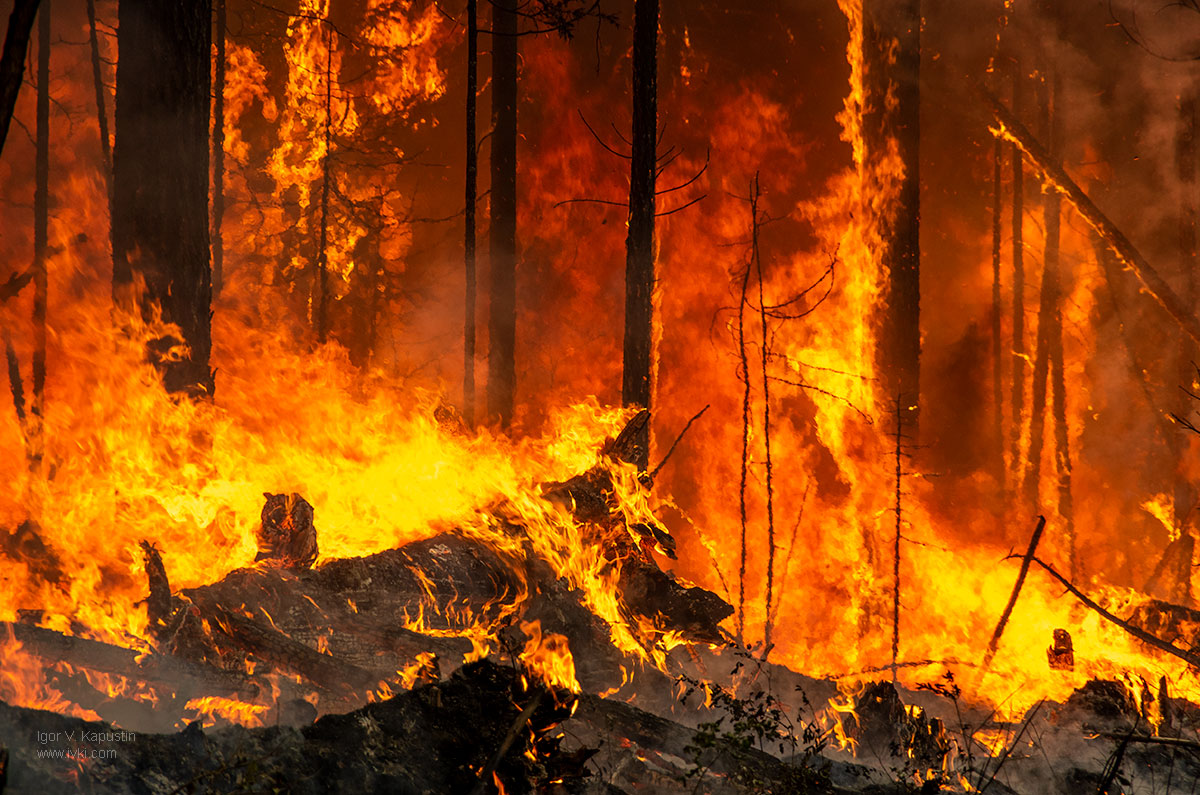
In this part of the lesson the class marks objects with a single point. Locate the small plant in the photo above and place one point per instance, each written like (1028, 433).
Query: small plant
(746, 740)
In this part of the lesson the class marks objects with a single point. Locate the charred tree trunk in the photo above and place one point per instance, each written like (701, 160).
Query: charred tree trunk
(1047, 307)
(321, 303)
(1018, 292)
(12, 60)
(1062, 441)
(41, 218)
(502, 235)
(1185, 166)
(469, 213)
(891, 109)
(101, 104)
(997, 309)
(218, 150)
(160, 178)
(637, 380)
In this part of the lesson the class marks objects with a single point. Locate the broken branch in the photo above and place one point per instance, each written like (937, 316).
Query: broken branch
(1188, 657)
(1012, 600)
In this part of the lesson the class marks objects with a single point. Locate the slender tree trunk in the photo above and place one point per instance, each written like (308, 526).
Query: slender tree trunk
(160, 178)
(218, 150)
(1047, 308)
(997, 310)
(637, 381)
(469, 227)
(101, 104)
(502, 234)
(12, 60)
(375, 262)
(1018, 291)
(41, 218)
(1185, 169)
(321, 308)
(744, 373)
(892, 71)
(1062, 439)
(765, 352)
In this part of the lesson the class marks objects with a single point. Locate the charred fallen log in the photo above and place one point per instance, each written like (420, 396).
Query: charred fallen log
(179, 674)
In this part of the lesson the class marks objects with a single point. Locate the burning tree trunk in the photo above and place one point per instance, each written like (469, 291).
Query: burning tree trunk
(101, 105)
(1046, 325)
(637, 379)
(41, 217)
(1185, 165)
(321, 301)
(1018, 266)
(502, 236)
(218, 149)
(469, 213)
(891, 110)
(160, 178)
(12, 60)
(997, 309)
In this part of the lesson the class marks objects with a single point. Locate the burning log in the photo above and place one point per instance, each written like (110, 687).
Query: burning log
(1171, 622)
(282, 652)
(1011, 128)
(158, 670)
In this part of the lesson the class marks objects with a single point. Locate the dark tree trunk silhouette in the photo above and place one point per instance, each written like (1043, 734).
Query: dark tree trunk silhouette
(997, 310)
(160, 178)
(41, 219)
(637, 381)
(1018, 298)
(469, 213)
(12, 60)
(1047, 307)
(218, 150)
(101, 104)
(502, 234)
(891, 109)
(321, 300)
(1185, 166)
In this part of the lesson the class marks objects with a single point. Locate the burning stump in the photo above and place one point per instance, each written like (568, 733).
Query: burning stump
(286, 536)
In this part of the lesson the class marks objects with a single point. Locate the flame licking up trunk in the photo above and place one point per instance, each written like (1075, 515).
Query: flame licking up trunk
(334, 232)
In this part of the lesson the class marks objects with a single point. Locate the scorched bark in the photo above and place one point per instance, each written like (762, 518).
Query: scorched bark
(160, 229)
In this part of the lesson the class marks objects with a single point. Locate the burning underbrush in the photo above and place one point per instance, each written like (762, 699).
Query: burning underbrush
(537, 579)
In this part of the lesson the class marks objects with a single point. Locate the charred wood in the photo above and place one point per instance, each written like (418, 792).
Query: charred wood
(153, 669)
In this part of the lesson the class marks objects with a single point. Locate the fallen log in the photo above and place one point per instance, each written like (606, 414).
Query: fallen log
(157, 670)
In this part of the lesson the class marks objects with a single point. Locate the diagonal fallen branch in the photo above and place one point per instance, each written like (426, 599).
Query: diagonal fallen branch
(1189, 657)
(1012, 600)
(1010, 128)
